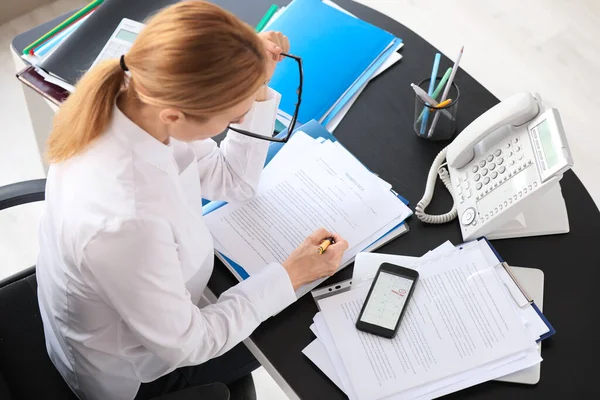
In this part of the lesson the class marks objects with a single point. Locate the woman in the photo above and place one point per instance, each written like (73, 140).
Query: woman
(124, 252)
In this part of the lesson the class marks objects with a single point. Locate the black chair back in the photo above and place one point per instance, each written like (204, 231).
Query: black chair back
(26, 371)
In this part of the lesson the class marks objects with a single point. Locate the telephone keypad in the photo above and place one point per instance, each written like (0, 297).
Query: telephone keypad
(489, 173)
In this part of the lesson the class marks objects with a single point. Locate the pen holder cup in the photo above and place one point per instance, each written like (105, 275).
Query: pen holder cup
(436, 123)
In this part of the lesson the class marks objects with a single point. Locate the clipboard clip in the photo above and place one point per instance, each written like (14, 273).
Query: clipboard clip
(510, 273)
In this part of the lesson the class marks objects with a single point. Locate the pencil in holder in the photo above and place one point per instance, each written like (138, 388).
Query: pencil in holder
(435, 122)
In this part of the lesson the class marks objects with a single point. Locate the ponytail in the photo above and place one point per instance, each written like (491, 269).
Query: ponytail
(86, 113)
(192, 56)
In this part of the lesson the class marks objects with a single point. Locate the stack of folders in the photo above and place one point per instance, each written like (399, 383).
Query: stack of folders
(42, 48)
(308, 183)
(340, 55)
(469, 321)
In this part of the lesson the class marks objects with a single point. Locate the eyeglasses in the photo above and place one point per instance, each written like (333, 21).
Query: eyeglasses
(274, 137)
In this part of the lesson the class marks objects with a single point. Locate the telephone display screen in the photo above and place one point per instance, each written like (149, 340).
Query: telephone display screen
(126, 35)
(545, 135)
(388, 298)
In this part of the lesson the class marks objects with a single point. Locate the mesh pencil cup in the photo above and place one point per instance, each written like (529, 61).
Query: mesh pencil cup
(442, 119)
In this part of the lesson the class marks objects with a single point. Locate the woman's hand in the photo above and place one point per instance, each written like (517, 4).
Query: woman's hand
(275, 44)
(305, 265)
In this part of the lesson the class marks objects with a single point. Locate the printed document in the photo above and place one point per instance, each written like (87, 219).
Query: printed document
(459, 318)
(326, 187)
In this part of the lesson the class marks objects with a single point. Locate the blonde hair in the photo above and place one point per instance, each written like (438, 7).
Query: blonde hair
(193, 56)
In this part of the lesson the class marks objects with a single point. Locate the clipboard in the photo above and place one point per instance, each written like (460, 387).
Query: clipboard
(530, 301)
(343, 286)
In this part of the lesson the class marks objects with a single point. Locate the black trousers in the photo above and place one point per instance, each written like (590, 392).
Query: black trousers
(226, 369)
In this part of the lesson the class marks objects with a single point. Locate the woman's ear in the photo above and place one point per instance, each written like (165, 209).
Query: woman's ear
(170, 116)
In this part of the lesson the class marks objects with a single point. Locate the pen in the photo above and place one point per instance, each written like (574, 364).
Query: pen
(434, 71)
(324, 245)
(443, 103)
(425, 98)
(437, 91)
(446, 90)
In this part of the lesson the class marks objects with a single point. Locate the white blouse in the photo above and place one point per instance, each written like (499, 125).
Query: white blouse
(125, 256)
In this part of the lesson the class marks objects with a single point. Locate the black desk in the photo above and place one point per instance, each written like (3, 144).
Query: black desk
(378, 131)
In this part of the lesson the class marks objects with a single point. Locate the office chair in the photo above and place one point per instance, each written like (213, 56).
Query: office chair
(26, 371)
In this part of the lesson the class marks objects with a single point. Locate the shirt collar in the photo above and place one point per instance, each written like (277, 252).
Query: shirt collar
(141, 142)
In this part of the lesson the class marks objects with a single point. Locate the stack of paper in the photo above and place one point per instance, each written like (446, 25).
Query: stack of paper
(340, 54)
(463, 326)
(310, 183)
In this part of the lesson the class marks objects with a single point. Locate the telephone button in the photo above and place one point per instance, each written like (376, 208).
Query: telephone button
(484, 171)
(534, 183)
(492, 166)
(512, 162)
(486, 180)
(515, 197)
(510, 200)
(479, 186)
(518, 148)
(500, 161)
(475, 168)
(505, 203)
(496, 210)
(498, 152)
(468, 216)
(530, 188)
(508, 145)
(490, 158)
(520, 193)
(494, 175)
(482, 163)
(516, 140)
(524, 190)
(500, 207)
(477, 177)
(501, 170)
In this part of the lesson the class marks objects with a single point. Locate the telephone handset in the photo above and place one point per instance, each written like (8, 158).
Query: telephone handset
(511, 153)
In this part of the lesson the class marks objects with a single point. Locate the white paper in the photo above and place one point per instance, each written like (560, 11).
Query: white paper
(367, 264)
(459, 318)
(317, 353)
(327, 188)
(435, 389)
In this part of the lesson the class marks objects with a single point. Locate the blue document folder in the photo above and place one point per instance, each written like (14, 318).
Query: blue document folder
(336, 49)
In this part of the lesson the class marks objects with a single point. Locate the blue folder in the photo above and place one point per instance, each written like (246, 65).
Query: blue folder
(314, 130)
(336, 50)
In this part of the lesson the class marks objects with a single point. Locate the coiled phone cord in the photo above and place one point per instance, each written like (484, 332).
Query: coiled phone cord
(436, 169)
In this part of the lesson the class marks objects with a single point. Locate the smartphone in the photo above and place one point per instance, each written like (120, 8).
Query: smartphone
(386, 302)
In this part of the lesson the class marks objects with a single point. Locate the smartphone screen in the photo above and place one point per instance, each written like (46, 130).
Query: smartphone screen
(387, 300)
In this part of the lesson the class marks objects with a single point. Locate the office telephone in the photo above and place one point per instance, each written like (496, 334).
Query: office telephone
(503, 171)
